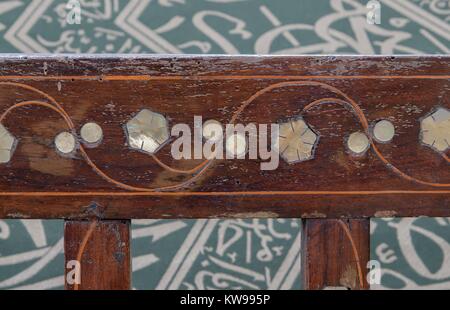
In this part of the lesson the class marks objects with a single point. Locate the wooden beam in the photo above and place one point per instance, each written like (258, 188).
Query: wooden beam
(336, 174)
(335, 253)
(102, 249)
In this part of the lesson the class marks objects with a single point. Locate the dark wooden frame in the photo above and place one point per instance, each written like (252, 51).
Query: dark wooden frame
(402, 178)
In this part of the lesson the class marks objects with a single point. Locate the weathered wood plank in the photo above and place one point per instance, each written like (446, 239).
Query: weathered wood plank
(103, 250)
(335, 253)
(335, 97)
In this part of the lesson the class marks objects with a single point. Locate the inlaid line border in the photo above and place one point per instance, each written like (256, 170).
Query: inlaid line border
(213, 77)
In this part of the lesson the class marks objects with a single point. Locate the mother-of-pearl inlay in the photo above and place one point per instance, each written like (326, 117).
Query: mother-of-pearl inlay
(358, 143)
(65, 142)
(91, 133)
(384, 131)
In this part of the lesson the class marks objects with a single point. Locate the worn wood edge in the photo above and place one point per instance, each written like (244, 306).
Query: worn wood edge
(91, 64)
(202, 209)
(360, 238)
(38, 56)
(85, 233)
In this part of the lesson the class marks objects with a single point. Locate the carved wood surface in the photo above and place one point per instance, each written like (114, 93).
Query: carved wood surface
(41, 97)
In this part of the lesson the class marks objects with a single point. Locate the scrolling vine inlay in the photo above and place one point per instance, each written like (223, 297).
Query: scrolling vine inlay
(434, 132)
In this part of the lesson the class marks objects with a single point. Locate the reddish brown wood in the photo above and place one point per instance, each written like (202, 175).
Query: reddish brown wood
(328, 257)
(105, 260)
(38, 183)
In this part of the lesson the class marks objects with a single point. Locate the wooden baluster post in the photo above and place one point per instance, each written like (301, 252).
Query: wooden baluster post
(329, 258)
(104, 247)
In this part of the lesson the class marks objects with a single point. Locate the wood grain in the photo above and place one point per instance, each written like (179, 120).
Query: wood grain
(329, 259)
(401, 178)
(103, 250)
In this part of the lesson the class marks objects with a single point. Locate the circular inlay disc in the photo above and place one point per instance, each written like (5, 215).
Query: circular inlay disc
(358, 143)
(91, 133)
(236, 145)
(384, 131)
(65, 142)
(212, 130)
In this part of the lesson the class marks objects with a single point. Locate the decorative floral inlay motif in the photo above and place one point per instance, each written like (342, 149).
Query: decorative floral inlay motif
(6, 145)
(147, 131)
(435, 130)
(297, 141)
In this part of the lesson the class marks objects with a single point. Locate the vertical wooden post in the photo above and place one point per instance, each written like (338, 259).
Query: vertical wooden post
(103, 251)
(335, 253)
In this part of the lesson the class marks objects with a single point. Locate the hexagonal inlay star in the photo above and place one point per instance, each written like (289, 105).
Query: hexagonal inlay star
(297, 141)
(6, 145)
(435, 130)
(147, 131)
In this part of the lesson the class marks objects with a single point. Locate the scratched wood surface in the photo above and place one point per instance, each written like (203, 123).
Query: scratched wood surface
(103, 250)
(400, 178)
(335, 253)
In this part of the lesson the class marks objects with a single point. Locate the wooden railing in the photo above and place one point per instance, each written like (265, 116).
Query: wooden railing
(91, 139)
